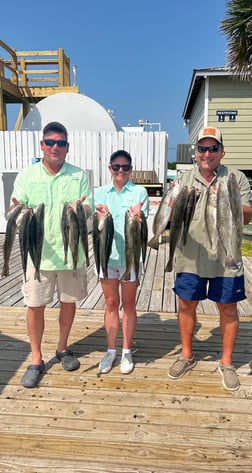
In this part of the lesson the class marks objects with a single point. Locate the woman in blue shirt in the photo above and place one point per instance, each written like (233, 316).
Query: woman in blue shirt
(116, 197)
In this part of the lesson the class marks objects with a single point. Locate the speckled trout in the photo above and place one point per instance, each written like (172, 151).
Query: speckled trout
(135, 231)
(211, 222)
(10, 233)
(177, 222)
(225, 224)
(237, 213)
(102, 234)
(163, 214)
(83, 228)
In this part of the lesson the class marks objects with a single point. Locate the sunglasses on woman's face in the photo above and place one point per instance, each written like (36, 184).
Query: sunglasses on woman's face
(116, 167)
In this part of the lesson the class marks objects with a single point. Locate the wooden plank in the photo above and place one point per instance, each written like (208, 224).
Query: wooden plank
(82, 421)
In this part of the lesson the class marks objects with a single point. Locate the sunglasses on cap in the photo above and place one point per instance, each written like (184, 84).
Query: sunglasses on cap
(211, 149)
(59, 143)
(116, 167)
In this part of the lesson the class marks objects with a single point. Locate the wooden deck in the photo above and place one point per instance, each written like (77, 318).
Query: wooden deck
(139, 423)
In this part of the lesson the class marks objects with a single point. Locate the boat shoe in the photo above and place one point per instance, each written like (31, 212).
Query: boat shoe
(230, 378)
(68, 360)
(32, 376)
(181, 366)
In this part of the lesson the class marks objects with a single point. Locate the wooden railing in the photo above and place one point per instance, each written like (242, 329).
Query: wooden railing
(10, 65)
(37, 68)
(29, 76)
(55, 71)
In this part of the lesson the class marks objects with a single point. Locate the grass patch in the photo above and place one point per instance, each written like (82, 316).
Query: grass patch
(246, 248)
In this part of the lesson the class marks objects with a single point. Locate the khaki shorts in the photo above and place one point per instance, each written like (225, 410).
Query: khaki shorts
(70, 287)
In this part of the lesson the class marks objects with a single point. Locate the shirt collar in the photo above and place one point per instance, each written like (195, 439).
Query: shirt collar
(61, 171)
(127, 186)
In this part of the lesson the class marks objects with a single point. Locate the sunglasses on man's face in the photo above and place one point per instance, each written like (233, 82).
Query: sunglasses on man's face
(211, 149)
(116, 167)
(59, 143)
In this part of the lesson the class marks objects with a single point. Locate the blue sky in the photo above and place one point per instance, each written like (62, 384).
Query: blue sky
(135, 57)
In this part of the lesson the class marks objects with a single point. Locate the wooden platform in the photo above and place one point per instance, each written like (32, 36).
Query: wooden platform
(139, 423)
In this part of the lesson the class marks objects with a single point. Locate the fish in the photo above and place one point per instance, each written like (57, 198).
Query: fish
(144, 235)
(36, 238)
(25, 218)
(82, 220)
(10, 233)
(73, 234)
(237, 212)
(96, 242)
(163, 214)
(189, 211)
(32, 240)
(106, 240)
(225, 224)
(177, 222)
(102, 235)
(211, 222)
(65, 230)
(133, 244)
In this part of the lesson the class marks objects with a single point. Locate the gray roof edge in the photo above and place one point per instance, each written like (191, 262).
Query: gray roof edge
(197, 78)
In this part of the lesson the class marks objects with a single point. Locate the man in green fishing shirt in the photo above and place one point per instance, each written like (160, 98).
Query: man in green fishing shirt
(53, 182)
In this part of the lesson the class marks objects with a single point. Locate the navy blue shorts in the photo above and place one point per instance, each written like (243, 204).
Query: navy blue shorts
(224, 290)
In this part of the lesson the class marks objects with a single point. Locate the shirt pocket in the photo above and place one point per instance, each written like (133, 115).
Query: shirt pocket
(37, 193)
(71, 191)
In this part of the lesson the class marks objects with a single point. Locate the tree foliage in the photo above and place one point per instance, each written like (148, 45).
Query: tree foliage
(237, 26)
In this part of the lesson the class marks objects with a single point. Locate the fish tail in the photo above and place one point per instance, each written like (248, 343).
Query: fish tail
(126, 276)
(168, 267)
(5, 270)
(105, 272)
(153, 243)
(37, 275)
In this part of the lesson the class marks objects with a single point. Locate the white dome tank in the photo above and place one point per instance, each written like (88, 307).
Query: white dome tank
(76, 112)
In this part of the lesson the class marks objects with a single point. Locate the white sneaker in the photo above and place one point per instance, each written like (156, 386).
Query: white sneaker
(127, 364)
(106, 362)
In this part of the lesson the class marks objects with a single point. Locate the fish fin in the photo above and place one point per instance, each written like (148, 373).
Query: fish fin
(125, 276)
(168, 267)
(5, 270)
(37, 275)
(153, 243)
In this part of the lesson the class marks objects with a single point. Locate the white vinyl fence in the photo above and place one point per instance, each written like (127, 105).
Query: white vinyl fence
(89, 150)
